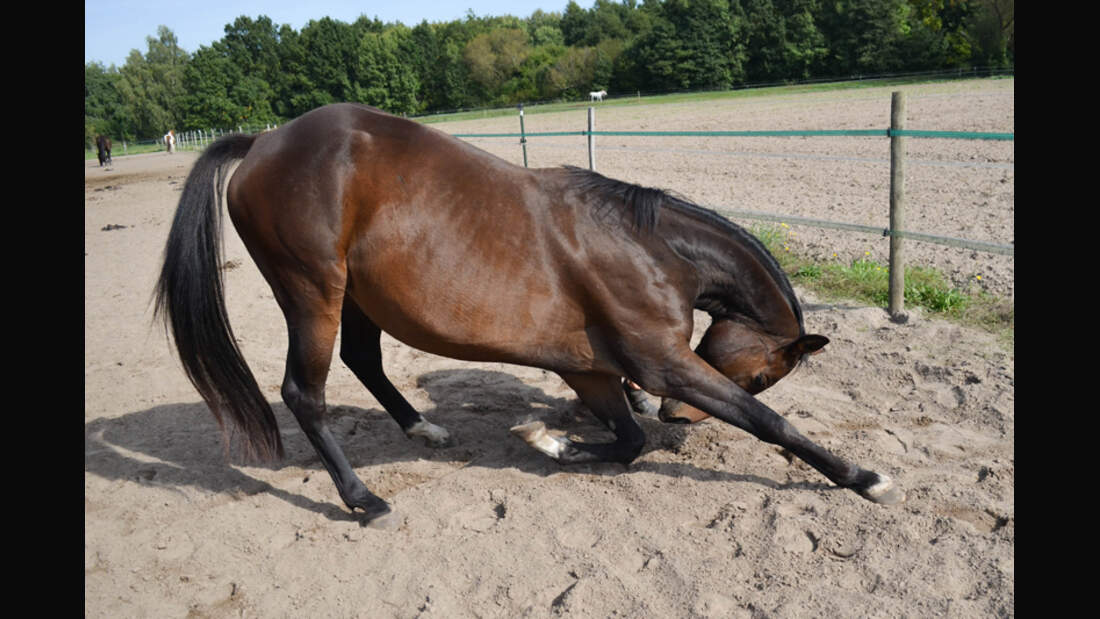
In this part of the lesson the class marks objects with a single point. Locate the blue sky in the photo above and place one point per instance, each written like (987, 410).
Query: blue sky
(114, 27)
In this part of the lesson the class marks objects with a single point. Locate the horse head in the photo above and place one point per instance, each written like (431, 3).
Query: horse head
(751, 358)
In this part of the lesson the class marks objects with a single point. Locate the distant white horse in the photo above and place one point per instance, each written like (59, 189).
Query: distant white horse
(170, 140)
(597, 95)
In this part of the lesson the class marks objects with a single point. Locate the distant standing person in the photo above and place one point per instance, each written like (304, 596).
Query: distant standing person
(170, 141)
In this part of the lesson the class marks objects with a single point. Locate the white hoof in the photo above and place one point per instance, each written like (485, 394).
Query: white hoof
(535, 435)
(883, 492)
(433, 435)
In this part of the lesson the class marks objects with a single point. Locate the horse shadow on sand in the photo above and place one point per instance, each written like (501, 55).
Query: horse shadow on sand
(179, 445)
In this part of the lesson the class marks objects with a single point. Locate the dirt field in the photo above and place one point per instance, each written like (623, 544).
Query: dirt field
(708, 522)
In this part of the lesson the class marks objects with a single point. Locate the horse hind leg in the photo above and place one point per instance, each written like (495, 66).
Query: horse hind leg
(604, 396)
(312, 322)
(308, 358)
(361, 351)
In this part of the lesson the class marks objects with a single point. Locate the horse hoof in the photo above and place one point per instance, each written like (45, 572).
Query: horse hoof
(433, 435)
(529, 431)
(883, 492)
(386, 522)
(377, 514)
(535, 435)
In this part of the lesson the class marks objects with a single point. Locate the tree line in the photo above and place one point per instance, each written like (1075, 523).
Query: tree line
(260, 72)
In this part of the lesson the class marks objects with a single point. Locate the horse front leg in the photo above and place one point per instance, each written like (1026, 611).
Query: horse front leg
(603, 395)
(692, 381)
(361, 351)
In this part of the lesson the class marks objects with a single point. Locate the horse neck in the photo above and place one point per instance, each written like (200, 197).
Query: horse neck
(739, 279)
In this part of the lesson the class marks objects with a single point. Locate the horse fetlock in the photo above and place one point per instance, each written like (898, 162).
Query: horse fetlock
(535, 435)
(358, 496)
(378, 514)
(433, 435)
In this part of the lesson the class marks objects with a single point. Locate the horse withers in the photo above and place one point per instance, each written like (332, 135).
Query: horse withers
(363, 222)
(103, 150)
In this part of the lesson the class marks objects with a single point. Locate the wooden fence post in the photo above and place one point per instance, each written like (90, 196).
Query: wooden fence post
(522, 135)
(591, 139)
(897, 207)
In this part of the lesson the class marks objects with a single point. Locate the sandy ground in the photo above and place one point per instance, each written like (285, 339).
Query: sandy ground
(708, 522)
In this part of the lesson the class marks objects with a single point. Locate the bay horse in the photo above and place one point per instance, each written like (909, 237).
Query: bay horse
(363, 222)
(103, 149)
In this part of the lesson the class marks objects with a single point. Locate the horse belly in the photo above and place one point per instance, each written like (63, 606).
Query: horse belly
(467, 307)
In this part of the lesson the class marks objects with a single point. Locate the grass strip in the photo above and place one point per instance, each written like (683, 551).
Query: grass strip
(868, 282)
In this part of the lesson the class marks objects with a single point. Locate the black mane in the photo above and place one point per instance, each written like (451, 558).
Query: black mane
(646, 204)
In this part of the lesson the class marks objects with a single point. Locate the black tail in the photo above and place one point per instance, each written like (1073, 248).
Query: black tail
(189, 295)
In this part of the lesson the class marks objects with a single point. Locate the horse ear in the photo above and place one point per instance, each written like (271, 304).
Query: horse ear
(807, 345)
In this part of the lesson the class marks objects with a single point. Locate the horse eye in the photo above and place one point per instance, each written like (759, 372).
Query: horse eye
(760, 381)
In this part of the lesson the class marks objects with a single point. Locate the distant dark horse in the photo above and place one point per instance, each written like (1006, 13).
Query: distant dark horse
(103, 149)
(363, 222)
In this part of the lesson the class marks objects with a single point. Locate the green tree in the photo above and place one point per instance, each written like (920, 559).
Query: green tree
(151, 86)
(937, 36)
(609, 21)
(253, 44)
(104, 111)
(330, 59)
(388, 80)
(691, 44)
(545, 29)
(451, 86)
(994, 33)
(574, 24)
(782, 41)
(569, 74)
(495, 58)
(293, 88)
(865, 36)
(208, 79)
